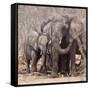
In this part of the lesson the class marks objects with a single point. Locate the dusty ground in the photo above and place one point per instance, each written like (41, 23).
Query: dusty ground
(33, 79)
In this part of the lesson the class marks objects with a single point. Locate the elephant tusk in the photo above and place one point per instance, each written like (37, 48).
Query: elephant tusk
(59, 42)
(49, 42)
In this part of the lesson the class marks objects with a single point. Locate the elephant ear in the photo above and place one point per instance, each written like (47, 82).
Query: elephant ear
(76, 27)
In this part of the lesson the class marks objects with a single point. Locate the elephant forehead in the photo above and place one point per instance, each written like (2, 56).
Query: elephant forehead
(59, 24)
(43, 40)
(57, 28)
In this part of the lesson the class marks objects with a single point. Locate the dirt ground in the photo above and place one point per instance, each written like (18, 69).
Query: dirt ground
(33, 79)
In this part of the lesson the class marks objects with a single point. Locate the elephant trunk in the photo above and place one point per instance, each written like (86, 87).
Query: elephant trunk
(63, 51)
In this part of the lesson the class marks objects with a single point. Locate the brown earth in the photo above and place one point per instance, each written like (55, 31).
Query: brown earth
(33, 79)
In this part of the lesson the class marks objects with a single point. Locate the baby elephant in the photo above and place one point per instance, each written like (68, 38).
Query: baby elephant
(35, 47)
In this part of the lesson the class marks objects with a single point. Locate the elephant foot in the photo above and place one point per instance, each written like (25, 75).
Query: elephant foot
(73, 74)
(27, 71)
(63, 72)
(37, 74)
(53, 75)
(33, 69)
(42, 71)
(63, 75)
(34, 73)
(66, 75)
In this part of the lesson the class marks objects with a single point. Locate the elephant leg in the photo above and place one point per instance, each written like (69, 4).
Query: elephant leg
(44, 66)
(43, 60)
(67, 70)
(80, 47)
(72, 66)
(55, 60)
(27, 66)
(62, 64)
(72, 58)
(48, 62)
(82, 53)
(34, 61)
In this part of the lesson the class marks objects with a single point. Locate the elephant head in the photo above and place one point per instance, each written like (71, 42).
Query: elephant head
(60, 28)
(56, 29)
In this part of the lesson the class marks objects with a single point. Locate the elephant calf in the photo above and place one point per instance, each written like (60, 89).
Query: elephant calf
(32, 52)
(35, 47)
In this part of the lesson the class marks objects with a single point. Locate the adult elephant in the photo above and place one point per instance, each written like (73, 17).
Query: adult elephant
(57, 29)
(71, 29)
(77, 31)
(67, 61)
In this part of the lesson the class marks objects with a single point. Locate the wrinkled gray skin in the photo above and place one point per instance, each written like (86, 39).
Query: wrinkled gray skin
(67, 61)
(72, 28)
(52, 36)
(64, 59)
(36, 44)
(32, 54)
(57, 29)
(77, 32)
(35, 47)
